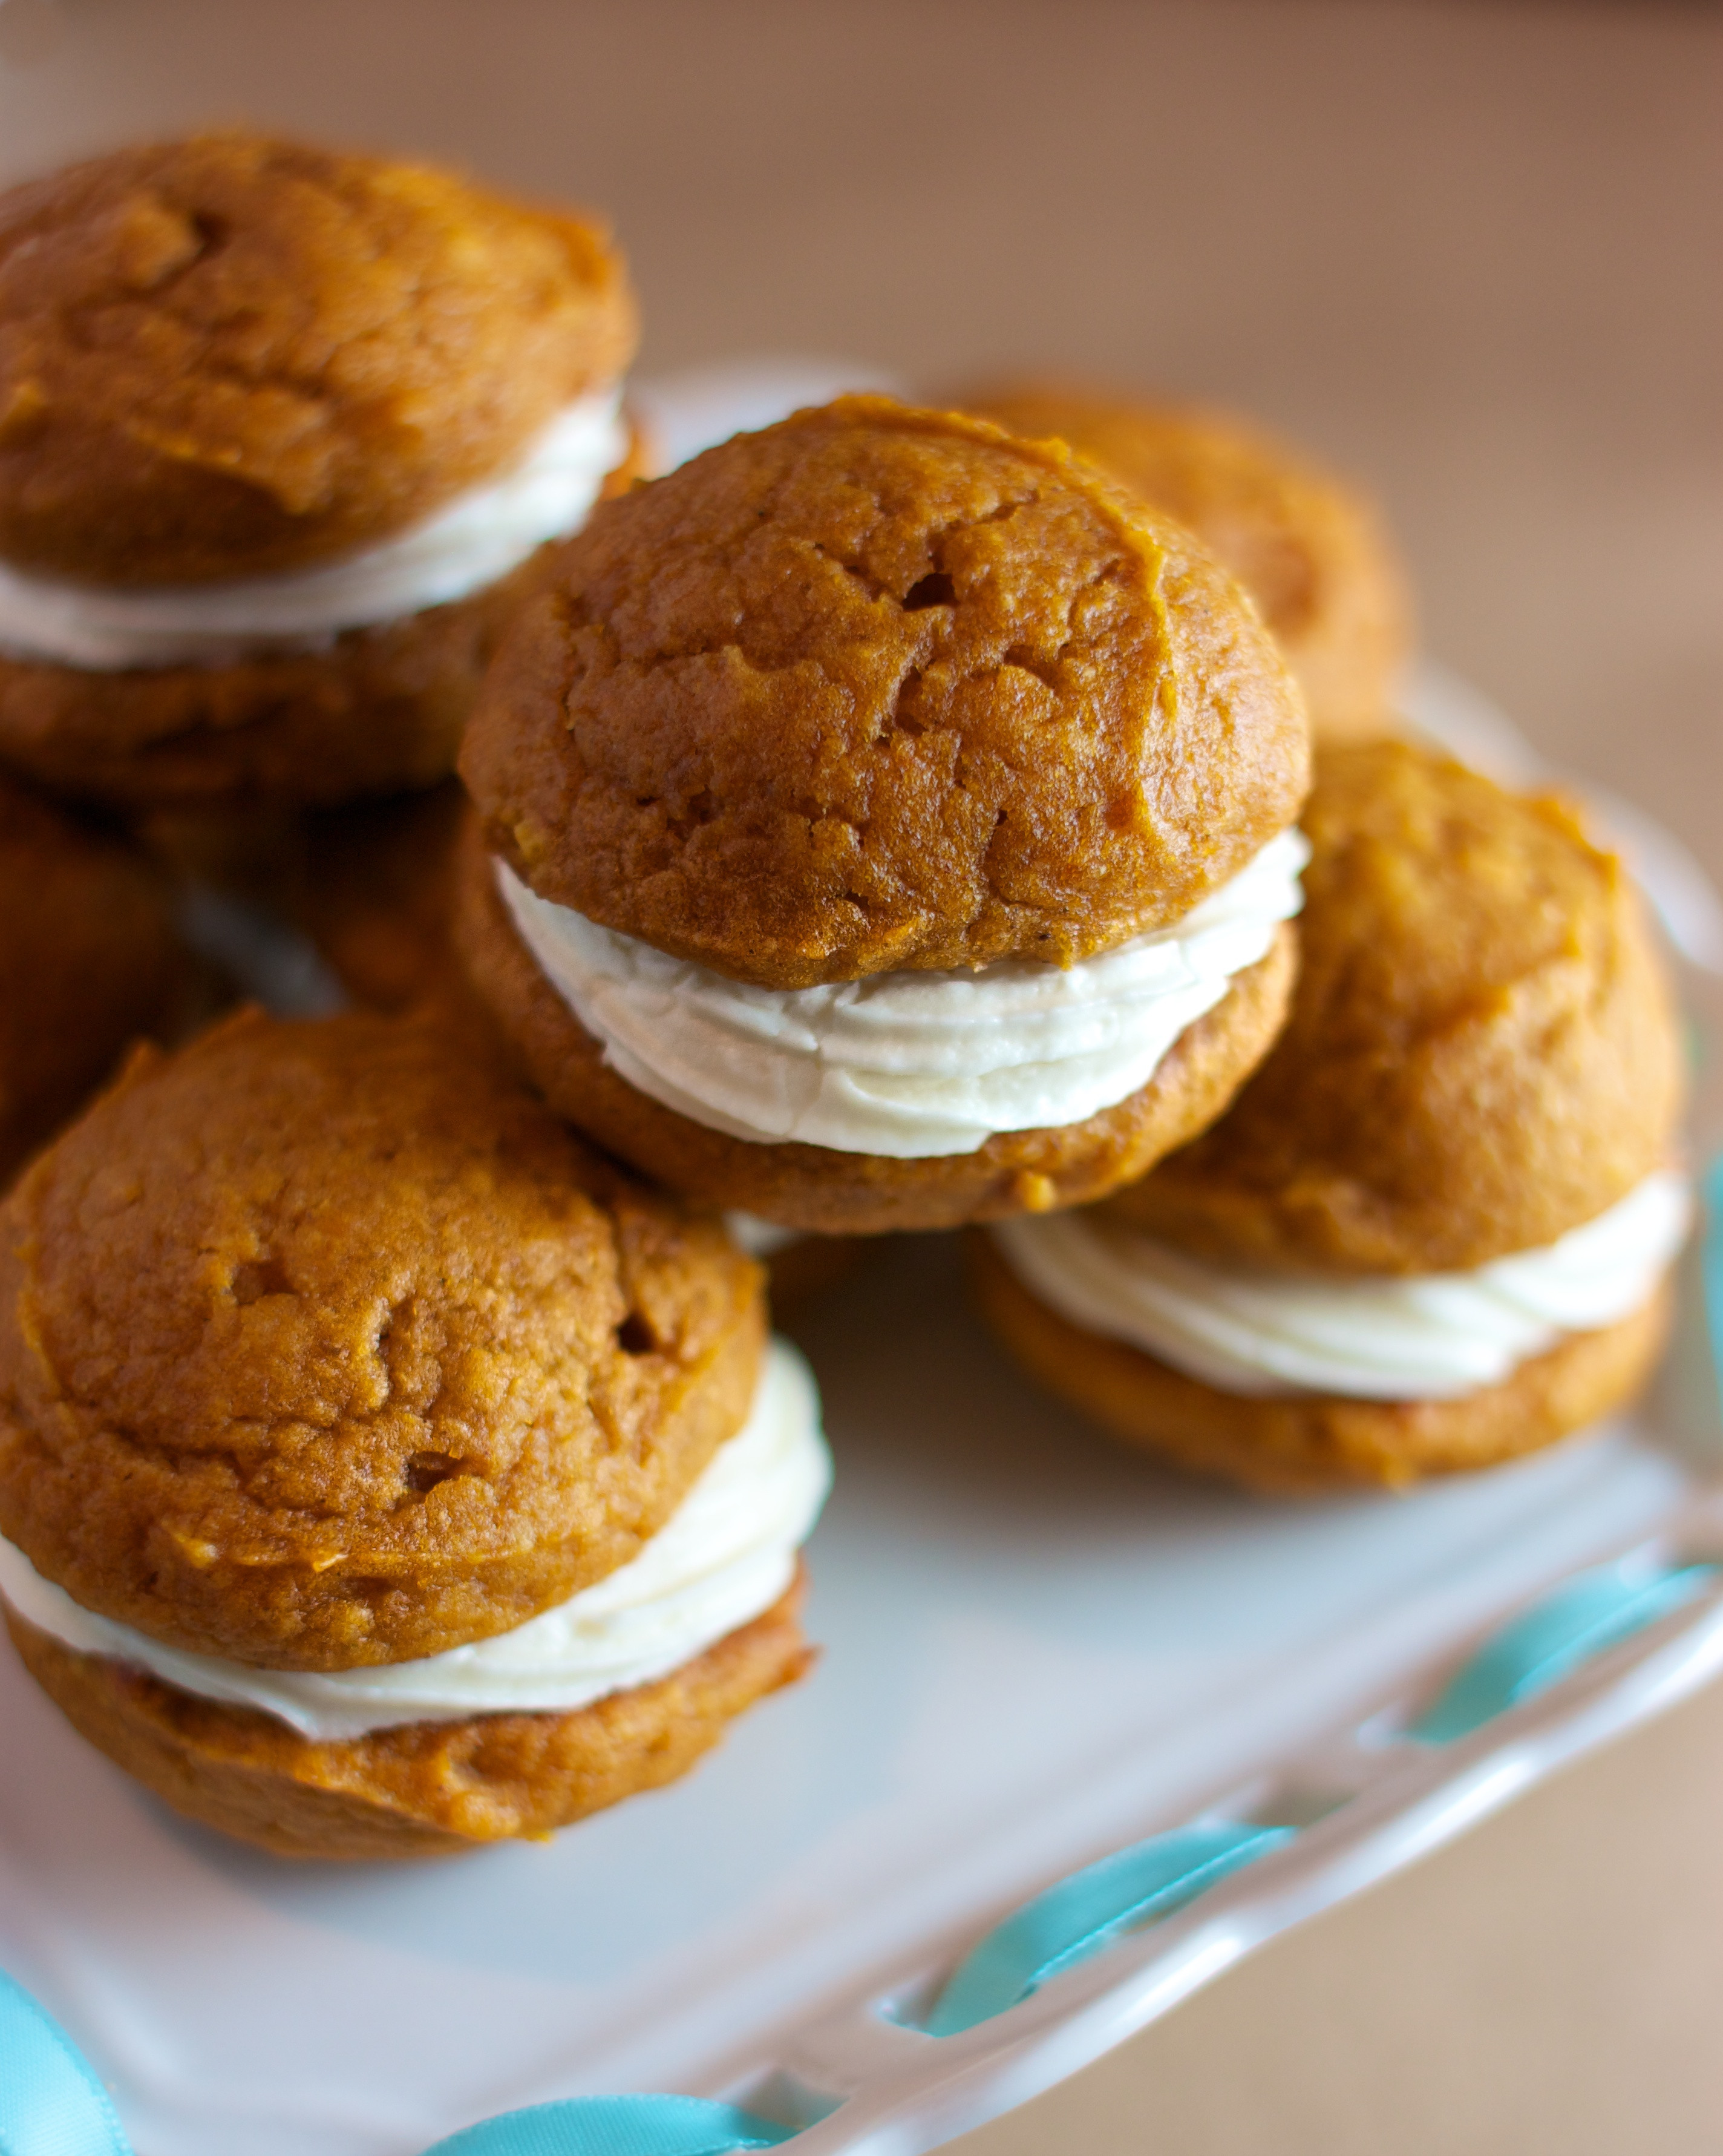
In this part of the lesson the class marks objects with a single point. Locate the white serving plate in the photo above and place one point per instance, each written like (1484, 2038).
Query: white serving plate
(1038, 1649)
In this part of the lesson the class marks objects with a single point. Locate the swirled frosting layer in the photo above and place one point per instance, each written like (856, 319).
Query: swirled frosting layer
(473, 541)
(906, 1065)
(1432, 1336)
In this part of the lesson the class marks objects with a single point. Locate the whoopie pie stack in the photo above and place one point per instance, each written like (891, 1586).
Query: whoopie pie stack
(895, 819)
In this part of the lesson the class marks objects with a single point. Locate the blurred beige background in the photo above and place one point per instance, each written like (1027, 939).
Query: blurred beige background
(1471, 252)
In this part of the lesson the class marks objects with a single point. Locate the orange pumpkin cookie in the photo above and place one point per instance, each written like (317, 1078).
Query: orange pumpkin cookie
(1433, 1229)
(377, 1465)
(854, 772)
(280, 432)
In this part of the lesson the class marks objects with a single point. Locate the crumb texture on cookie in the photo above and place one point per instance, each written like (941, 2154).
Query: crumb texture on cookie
(88, 960)
(881, 688)
(1311, 553)
(326, 1345)
(1482, 1051)
(232, 355)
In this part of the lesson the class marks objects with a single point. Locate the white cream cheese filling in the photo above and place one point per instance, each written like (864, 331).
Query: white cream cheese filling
(1432, 1336)
(471, 543)
(907, 1065)
(723, 1557)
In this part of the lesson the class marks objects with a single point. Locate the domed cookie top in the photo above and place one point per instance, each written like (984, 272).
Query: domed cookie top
(231, 356)
(1482, 1053)
(880, 688)
(1311, 553)
(324, 1345)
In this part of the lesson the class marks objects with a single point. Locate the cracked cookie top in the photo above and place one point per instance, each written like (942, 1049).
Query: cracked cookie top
(231, 356)
(323, 1345)
(883, 688)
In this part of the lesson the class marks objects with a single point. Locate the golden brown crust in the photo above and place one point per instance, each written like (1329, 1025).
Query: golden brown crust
(1315, 1442)
(827, 1192)
(1310, 551)
(232, 356)
(323, 1345)
(429, 1789)
(381, 710)
(88, 960)
(883, 688)
(1482, 1051)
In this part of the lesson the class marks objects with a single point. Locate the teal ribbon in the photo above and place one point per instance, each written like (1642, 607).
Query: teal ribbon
(616, 2126)
(1089, 1910)
(1596, 1611)
(51, 2104)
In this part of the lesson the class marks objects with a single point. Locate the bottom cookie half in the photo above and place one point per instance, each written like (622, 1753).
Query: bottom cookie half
(1307, 1443)
(427, 1789)
(826, 1191)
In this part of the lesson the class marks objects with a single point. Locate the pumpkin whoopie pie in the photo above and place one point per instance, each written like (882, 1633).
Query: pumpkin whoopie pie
(887, 823)
(89, 960)
(381, 1471)
(1310, 551)
(283, 435)
(1434, 1229)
